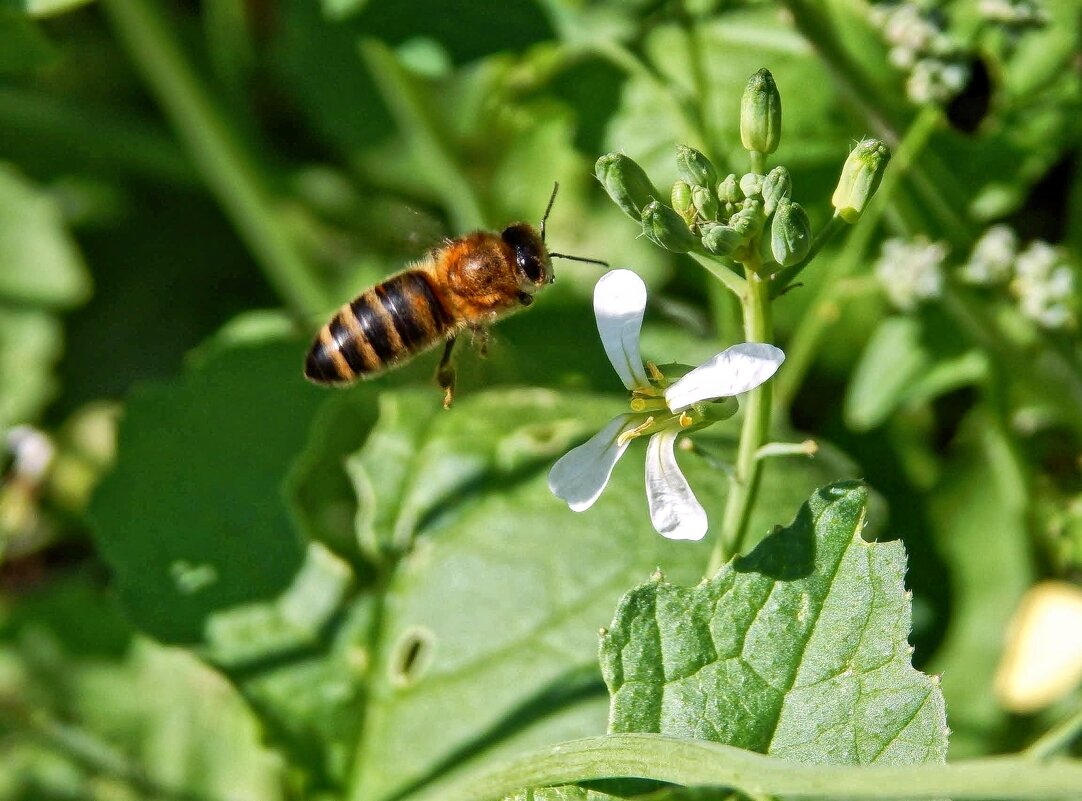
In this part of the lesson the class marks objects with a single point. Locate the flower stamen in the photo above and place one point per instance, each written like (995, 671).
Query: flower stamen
(639, 403)
(637, 431)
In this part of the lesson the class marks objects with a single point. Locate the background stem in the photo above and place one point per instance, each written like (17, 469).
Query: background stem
(444, 176)
(693, 763)
(223, 163)
(823, 311)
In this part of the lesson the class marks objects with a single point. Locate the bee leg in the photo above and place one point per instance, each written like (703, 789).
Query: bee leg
(445, 374)
(480, 340)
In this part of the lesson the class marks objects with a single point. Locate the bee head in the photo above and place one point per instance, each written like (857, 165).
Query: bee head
(532, 262)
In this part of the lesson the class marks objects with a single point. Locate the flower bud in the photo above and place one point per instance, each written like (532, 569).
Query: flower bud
(626, 182)
(721, 240)
(682, 203)
(705, 202)
(860, 178)
(790, 234)
(664, 227)
(751, 184)
(750, 220)
(760, 113)
(694, 167)
(729, 190)
(718, 410)
(777, 186)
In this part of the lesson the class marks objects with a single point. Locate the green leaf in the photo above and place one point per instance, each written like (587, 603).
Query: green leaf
(30, 343)
(488, 620)
(113, 710)
(904, 363)
(979, 515)
(39, 263)
(797, 650)
(193, 519)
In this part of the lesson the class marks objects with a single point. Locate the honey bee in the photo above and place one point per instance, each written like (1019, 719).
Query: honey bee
(466, 283)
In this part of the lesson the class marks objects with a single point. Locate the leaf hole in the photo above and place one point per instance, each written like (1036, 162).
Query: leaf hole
(411, 656)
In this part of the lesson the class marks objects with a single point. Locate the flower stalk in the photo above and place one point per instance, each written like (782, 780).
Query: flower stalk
(755, 238)
(744, 483)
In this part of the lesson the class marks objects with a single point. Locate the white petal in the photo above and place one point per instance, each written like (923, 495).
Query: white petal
(619, 304)
(734, 370)
(674, 511)
(580, 475)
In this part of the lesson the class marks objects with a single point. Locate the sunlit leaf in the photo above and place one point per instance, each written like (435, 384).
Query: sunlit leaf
(797, 650)
(38, 260)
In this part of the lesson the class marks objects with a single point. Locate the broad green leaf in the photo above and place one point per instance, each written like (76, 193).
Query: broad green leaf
(212, 521)
(39, 263)
(492, 612)
(901, 366)
(193, 519)
(184, 723)
(979, 518)
(797, 650)
(30, 344)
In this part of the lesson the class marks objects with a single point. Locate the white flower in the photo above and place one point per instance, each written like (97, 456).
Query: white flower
(658, 409)
(1044, 285)
(992, 259)
(910, 271)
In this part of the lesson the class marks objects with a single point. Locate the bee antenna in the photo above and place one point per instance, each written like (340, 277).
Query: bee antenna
(579, 258)
(548, 209)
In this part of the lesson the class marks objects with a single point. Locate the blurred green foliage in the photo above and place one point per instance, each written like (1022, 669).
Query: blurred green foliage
(279, 591)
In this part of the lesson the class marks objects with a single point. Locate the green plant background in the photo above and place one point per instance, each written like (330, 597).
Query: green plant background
(270, 590)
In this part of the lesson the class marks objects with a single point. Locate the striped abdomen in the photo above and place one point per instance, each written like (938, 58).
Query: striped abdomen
(382, 327)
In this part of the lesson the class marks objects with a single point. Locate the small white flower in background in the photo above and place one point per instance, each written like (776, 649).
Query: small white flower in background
(992, 259)
(32, 452)
(934, 80)
(1013, 12)
(1044, 285)
(660, 408)
(911, 271)
(919, 45)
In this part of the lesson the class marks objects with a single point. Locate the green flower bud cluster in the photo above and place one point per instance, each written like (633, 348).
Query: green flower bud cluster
(750, 218)
(724, 218)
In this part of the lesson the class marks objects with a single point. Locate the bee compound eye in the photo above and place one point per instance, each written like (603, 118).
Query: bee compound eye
(529, 252)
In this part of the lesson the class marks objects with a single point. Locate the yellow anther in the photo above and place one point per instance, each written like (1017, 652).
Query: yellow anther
(685, 420)
(629, 435)
(655, 374)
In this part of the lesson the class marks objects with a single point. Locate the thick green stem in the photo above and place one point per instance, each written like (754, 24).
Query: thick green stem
(697, 763)
(744, 484)
(221, 160)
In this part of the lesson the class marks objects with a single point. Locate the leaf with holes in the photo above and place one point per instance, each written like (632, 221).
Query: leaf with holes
(488, 620)
(797, 650)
